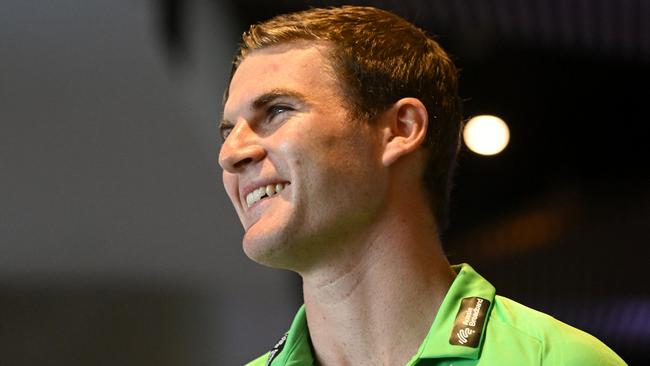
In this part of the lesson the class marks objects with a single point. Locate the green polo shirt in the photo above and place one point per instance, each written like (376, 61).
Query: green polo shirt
(474, 327)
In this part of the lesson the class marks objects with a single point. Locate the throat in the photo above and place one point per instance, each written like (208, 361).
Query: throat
(384, 308)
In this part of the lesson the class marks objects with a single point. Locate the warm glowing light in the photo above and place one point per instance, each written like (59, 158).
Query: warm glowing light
(486, 135)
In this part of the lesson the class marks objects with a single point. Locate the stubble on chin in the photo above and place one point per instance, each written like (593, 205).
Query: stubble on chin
(269, 249)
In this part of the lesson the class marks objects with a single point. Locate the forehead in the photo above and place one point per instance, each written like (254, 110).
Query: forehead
(300, 67)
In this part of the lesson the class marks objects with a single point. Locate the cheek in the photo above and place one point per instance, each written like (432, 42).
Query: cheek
(230, 185)
(327, 148)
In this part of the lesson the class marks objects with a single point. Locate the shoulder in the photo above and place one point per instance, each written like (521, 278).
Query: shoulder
(260, 361)
(554, 342)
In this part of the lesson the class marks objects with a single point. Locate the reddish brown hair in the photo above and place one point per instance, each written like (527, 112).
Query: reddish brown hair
(380, 58)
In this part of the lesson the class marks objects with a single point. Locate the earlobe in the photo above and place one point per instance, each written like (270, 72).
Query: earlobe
(405, 129)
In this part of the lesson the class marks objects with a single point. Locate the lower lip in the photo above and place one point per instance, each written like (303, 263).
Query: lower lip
(260, 202)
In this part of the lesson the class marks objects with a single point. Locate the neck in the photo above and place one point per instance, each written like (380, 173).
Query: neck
(375, 305)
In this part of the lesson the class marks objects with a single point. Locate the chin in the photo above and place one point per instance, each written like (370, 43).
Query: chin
(270, 241)
(267, 251)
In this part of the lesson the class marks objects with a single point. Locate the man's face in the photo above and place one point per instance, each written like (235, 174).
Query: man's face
(301, 174)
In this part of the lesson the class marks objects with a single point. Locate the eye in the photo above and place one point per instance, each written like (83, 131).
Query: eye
(225, 131)
(278, 109)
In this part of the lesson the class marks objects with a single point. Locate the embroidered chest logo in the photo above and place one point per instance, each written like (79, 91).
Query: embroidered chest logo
(469, 323)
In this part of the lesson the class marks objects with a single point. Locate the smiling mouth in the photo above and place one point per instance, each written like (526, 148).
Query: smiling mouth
(263, 192)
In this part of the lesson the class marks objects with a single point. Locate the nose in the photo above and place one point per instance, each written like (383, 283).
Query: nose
(241, 148)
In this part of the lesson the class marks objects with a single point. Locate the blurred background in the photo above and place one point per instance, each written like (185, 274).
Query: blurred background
(119, 246)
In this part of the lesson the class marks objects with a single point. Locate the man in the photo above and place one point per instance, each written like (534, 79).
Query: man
(341, 129)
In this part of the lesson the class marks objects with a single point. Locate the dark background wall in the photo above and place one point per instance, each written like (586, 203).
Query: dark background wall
(118, 245)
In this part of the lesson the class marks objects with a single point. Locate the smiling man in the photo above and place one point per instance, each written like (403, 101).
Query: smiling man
(341, 129)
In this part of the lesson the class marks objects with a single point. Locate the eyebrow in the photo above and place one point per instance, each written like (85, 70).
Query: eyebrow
(264, 100)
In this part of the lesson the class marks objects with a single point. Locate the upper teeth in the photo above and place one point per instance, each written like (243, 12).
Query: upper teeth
(268, 190)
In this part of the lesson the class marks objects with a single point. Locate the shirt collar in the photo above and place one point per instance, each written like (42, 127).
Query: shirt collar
(297, 349)
(468, 283)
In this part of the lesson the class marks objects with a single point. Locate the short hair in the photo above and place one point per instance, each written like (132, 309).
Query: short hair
(379, 58)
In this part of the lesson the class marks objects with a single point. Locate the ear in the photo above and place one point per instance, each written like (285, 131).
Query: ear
(405, 129)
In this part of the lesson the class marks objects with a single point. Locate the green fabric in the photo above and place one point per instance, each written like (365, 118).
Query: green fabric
(513, 334)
